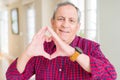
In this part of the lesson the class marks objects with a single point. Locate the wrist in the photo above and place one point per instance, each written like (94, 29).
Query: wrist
(72, 51)
(26, 55)
(77, 52)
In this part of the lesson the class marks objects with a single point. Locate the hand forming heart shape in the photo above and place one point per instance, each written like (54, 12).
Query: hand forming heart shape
(36, 47)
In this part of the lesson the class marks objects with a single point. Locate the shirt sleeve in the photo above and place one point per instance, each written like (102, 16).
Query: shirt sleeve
(101, 68)
(13, 74)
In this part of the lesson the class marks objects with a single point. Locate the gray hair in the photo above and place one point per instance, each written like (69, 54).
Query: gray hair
(66, 3)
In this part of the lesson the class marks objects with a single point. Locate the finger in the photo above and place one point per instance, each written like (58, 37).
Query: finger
(48, 39)
(41, 32)
(54, 55)
(54, 35)
(46, 55)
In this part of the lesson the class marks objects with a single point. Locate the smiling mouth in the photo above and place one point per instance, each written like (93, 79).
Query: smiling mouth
(64, 31)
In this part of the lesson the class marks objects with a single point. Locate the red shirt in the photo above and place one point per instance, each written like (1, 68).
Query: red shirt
(61, 68)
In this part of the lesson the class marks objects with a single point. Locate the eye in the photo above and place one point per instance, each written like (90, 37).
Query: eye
(60, 19)
(72, 21)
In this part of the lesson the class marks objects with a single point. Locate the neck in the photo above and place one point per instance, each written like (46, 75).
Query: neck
(70, 41)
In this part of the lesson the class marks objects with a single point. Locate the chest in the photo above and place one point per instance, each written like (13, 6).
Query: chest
(58, 69)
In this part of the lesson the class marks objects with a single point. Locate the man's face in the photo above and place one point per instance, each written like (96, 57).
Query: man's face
(66, 23)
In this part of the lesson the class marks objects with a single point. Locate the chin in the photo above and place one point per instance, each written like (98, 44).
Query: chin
(65, 40)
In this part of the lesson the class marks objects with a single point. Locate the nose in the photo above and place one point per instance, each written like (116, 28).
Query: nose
(65, 23)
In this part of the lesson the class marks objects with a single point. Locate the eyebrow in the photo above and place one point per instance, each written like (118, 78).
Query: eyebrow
(60, 17)
(64, 17)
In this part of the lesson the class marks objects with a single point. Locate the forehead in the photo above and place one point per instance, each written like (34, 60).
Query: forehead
(67, 11)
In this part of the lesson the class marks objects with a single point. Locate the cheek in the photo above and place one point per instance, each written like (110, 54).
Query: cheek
(74, 30)
(55, 28)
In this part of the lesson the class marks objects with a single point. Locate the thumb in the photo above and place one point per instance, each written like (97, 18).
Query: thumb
(46, 55)
(54, 55)
(48, 39)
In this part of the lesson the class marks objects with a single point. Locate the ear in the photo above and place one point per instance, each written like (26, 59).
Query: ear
(78, 26)
(52, 22)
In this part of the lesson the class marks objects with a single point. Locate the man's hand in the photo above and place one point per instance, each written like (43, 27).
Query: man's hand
(62, 48)
(36, 47)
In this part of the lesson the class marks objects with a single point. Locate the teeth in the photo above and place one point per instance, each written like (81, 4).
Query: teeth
(64, 31)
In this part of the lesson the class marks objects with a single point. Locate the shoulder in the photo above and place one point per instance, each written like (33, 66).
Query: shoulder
(85, 41)
(86, 44)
